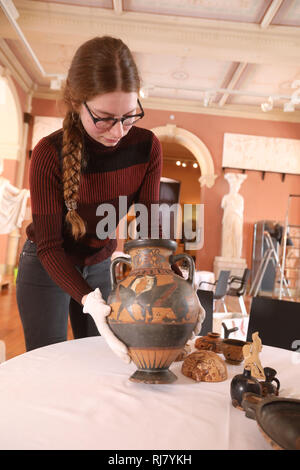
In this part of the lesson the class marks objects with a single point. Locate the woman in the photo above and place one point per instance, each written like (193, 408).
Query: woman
(98, 156)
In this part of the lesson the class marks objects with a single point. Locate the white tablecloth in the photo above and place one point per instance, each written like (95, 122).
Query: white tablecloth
(76, 395)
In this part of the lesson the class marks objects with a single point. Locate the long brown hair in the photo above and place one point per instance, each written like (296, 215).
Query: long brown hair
(100, 65)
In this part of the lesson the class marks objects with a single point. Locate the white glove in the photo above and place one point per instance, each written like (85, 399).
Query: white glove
(99, 310)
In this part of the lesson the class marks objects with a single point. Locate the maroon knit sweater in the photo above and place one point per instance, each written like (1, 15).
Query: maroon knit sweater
(132, 168)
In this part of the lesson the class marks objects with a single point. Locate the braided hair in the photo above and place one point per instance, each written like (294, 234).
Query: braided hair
(100, 65)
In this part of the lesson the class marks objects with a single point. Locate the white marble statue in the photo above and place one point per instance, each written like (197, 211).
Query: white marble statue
(13, 203)
(233, 206)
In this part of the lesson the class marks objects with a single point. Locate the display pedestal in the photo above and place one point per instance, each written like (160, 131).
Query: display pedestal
(236, 266)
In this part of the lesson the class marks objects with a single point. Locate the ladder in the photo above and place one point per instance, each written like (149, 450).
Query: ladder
(269, 255)
(286, 234)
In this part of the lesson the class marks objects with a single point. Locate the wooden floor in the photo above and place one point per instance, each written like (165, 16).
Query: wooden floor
(11, 331)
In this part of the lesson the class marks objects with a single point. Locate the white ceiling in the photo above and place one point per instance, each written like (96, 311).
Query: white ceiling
(223, 57)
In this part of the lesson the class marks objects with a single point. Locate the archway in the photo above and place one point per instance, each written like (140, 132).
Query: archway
(195, 146)
(11, 144)
(11, 120)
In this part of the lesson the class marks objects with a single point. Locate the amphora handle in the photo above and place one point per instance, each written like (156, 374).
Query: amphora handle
(174, 258)
(119, 259)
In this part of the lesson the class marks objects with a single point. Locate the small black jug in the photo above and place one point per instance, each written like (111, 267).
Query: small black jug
(243, 383)
(267, 387)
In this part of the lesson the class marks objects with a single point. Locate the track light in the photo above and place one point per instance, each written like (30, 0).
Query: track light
(56, 82)
(295, 98)
(144, 92)
(288, 107)
(145, 89)
(268, 106)
(207, 97)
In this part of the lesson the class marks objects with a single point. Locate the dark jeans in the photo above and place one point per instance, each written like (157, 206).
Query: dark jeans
(44, 307)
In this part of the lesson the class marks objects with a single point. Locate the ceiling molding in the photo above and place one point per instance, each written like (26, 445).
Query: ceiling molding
(58, 25)
(196, 107)
(17, 71)
(45, 93)
(222, 40)
(228, 110)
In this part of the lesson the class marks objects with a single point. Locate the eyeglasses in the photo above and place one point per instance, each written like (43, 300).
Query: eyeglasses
(105, 124)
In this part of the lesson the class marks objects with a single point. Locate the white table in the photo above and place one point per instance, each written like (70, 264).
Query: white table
(76, 395)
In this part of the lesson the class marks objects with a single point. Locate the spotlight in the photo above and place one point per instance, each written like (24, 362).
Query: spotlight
(56, 83)
(178, 163)
(144, 92)
(145, 89)
(288, 107)
(206, 99)
(195, 165)
(268, 106)
(184, 164)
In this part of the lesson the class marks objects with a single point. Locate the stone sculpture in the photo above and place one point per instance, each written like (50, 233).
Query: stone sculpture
(233, 206)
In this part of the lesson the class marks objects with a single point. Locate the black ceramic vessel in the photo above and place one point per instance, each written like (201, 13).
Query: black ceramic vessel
(243, 383)
(268, 388)
(154, 311)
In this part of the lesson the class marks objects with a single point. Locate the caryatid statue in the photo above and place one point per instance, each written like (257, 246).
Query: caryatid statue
(233, 206)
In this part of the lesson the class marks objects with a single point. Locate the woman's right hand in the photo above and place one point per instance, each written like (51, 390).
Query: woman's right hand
(95, 305)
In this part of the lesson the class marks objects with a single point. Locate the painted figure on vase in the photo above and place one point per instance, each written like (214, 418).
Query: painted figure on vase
(233, 206)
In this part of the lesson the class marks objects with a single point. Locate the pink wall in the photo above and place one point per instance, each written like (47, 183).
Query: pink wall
(22, 95)
(50, 108)
(264, 199)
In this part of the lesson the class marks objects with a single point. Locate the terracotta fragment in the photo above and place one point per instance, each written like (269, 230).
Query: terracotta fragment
(204, 366)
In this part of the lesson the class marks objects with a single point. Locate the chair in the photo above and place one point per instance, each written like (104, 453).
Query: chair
(221, 286)
(240, 289)
(277, 322)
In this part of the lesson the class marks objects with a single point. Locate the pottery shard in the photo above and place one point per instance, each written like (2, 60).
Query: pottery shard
(211, 342)
(204, 366)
